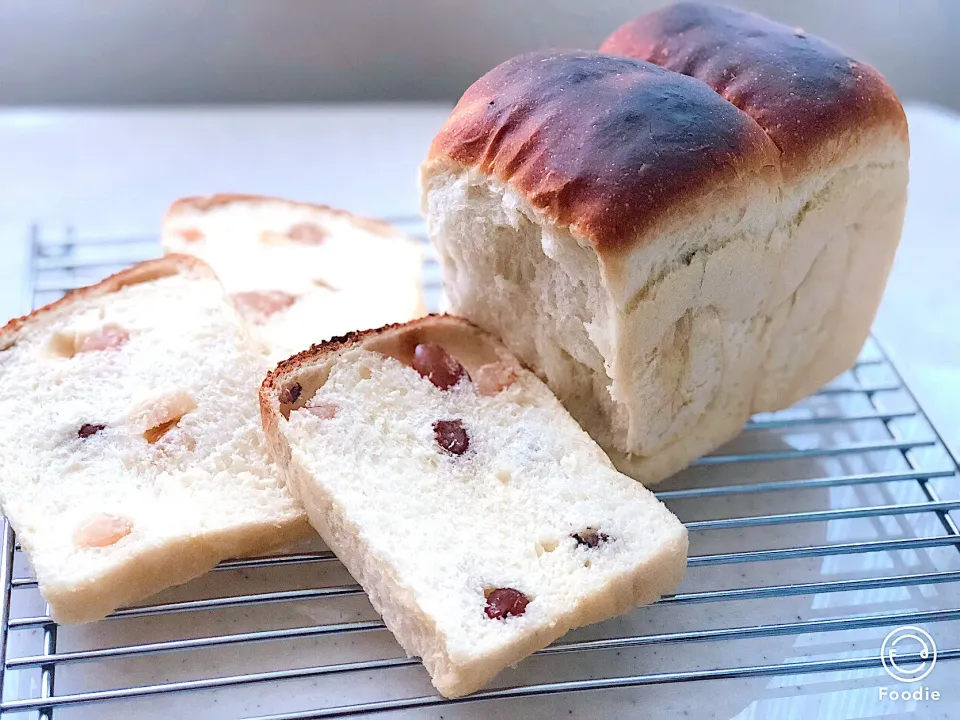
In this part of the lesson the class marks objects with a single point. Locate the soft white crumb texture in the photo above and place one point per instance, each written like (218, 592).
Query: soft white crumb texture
(206, 478)
(358, 276)
(427, 532)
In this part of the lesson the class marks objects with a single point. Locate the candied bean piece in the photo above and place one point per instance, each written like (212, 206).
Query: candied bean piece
(191, 234)
(307, 233)
(324, 411)
(504, 602)
(153, 435)
(155, 417)
(451, 436)
(261, 305)
(437, 365)
(102, 530)
(109, 337)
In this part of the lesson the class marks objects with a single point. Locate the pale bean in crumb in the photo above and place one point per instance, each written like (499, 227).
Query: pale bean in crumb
(324, 411)
(307, 233)
(493, 378)
(102, 531)
(191, 234)
(260, 305)
(109, 337)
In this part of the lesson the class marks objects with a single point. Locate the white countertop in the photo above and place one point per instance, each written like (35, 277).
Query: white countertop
(115, 172)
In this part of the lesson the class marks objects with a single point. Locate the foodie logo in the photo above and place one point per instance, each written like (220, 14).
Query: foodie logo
(912, 641)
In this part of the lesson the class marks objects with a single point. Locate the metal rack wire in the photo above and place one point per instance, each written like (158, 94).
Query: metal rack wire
(853, 478)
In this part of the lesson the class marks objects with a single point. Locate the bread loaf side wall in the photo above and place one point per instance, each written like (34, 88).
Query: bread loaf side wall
(841, 229)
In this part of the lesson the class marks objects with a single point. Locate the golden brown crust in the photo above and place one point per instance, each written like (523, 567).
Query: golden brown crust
(606, 145)
(205, 203)
(799, 89)
(318, 352)
(339, 343)
(141, 272)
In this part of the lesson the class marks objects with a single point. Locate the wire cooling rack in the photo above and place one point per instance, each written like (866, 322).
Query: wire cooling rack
(815, 534)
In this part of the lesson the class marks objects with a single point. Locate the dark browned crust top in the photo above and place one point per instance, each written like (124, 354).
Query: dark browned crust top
(606, 145)
(147, 271)
(205, 203)
(798, 88)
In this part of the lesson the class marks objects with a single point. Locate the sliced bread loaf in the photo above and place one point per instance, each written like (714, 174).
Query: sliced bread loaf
(131, 455)
(672, 254)
(300, 273)
(478, 516)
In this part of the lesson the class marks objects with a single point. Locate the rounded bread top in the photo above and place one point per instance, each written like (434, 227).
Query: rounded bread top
(606, 145)
(801, 90)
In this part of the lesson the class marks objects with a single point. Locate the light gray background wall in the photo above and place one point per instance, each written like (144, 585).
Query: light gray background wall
(196, 51)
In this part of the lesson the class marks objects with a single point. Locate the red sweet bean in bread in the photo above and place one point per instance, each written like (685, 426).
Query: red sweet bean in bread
(451, 436)
(290, 394)
(89, 430)
(438, 366)
(505, 602)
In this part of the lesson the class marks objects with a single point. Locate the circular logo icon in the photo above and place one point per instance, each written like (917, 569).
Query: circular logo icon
(912, 641)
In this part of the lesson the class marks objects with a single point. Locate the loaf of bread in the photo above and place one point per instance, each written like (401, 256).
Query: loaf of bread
(131, 450)
(480, 519)
(300, 273)
(672, 253)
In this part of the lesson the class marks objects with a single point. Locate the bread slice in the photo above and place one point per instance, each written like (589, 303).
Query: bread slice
(478, 516)
(300, 273)
(131, 451)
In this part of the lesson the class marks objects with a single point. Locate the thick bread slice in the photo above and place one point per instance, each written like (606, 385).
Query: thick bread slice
(530, 503)
(131, 456)
(300, 273)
